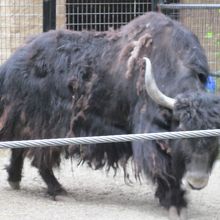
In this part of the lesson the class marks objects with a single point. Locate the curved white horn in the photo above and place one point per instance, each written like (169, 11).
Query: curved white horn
(153, 90)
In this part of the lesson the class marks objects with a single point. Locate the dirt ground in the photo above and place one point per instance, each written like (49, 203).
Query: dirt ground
(94, 195)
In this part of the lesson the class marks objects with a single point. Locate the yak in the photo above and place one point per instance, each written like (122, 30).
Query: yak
(66, 83)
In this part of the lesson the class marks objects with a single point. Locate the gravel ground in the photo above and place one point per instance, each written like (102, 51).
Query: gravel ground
(94, 195)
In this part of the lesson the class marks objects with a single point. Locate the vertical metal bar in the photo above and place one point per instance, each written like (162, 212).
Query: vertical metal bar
(77, 25)
(108, 16)
(85, 13)
(117, 15)
(100, 17)
(135, 9)
(95, 15)
(49, 15)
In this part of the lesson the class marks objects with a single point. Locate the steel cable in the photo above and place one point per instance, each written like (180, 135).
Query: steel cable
(108, 139)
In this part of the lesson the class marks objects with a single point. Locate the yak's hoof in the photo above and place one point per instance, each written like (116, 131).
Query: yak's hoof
(57, 192)
(14, 185)
(174, 215)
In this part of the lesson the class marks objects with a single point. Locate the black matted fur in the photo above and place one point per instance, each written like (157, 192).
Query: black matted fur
(65, 83)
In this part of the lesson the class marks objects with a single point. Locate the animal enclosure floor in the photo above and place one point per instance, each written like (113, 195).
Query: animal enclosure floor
(94, 195)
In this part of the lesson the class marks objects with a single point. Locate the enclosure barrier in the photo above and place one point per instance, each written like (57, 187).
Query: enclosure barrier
(203, 21)
(109, 139)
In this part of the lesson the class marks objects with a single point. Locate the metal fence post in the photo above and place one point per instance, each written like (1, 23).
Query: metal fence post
(49, 15)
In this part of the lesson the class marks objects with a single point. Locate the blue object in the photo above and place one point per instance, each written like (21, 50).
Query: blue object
(211, 84)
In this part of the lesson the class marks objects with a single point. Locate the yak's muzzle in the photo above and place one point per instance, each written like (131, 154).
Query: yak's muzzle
(196, 181)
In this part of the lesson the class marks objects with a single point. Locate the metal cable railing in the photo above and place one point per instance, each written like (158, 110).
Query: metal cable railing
(109, 139)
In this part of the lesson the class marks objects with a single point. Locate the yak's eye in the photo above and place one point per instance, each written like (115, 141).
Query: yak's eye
(202, 77)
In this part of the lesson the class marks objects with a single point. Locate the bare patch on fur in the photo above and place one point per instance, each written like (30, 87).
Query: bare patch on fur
(144, 41)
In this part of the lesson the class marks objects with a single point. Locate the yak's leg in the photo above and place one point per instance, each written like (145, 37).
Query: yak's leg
(54, 188)
(14, 169)
(171, 196)
(44, 159)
